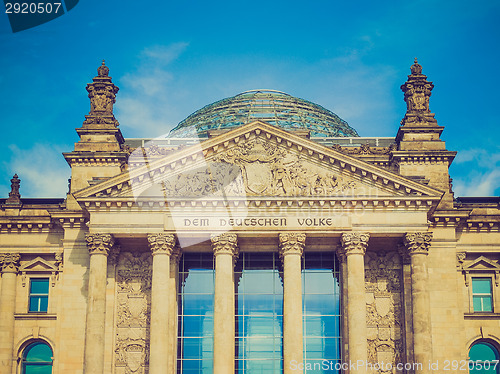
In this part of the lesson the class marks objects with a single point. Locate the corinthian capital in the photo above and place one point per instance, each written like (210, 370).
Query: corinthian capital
(417, 242)
(292, 243)
(99, 243)
(354, 243)
(9, 262)
(162, 243)
(225, 243)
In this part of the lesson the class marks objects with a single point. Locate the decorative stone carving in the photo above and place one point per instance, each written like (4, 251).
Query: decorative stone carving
(417, 242)
(384, 308)
(102, 94)
(291, 243)
(365, 149)
(225, 243)
(460, 259)
(9, 262)
(113, 255)
(14, 195)
(417, 91)
(133, 298)
(270, 170)
(216, 179)
(162, 243)
(99, 243)
(354, 243)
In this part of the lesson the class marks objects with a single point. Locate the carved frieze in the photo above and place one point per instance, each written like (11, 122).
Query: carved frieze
(133, 300)
(267, 169)
(384, 308)
(291, 243)
(9, 262)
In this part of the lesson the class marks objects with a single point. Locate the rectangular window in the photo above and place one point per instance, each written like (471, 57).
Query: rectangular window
(196, 314)
(482, 297)
(39, 295)
(259, 314)
(321, 311)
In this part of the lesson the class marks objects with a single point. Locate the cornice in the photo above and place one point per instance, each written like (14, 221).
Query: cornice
(421, 203)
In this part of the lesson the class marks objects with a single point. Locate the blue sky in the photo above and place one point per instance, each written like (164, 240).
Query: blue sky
(171, 58)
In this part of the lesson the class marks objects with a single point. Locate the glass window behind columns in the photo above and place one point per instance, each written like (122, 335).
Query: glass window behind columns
(196, 310)
(259, 314)
(321, 312)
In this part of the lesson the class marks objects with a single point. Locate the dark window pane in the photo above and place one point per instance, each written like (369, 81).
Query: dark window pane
(481, 285)
(39, 286)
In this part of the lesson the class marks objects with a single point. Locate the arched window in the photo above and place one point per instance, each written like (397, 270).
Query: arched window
(483, 359)
(37, 359)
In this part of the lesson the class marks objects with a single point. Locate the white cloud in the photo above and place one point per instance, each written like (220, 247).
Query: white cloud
(42, 170)
(145, 104)
(480, 171)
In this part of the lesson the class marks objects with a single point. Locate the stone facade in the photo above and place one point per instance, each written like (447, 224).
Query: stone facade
(409, 252)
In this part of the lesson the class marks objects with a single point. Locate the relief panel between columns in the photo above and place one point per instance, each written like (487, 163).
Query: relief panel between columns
(133, 300)
(384, 309)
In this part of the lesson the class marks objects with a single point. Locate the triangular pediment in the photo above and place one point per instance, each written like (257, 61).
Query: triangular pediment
(257, 159)
(38, 265)
(482, 264)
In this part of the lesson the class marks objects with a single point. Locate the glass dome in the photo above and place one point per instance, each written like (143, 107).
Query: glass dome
(274, 107)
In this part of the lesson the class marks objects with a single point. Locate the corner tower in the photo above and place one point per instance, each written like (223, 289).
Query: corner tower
(99, 152)
(421, 154)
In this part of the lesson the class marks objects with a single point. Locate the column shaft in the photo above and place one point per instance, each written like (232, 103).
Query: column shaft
(293, 349)
(173, 317)
(225, 250)
(354, 246)
(99, 246)
(356, 308)
(417, 246)
(421, 311)
(291, 250)
(96, 315)
(9, 266)
(162, 245)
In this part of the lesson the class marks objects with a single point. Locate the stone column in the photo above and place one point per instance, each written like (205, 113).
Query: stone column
(417, 246)
(162, 246)
(173, 319)
(354, 246)
(99, 246)
(291, 250)
(225, 251)
(9, 265)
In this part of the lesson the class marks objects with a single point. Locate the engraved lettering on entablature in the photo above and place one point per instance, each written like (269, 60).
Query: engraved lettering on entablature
(133, 300)
(270, 170)
(384, 308)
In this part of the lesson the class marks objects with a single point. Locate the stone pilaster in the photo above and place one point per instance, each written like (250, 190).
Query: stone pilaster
(99, 246)
(162, 247)
(354, 246)
(225, 248)
(9, 265)
(173, 319)
(417, 246)
(291, 250)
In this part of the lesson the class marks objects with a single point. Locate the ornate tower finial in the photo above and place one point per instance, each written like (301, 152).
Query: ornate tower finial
(102, 94)
(103, 70)
(14, 195)
(417, 92)
(416, 68)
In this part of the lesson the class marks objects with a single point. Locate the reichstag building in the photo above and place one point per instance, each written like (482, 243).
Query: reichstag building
(263, 235)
